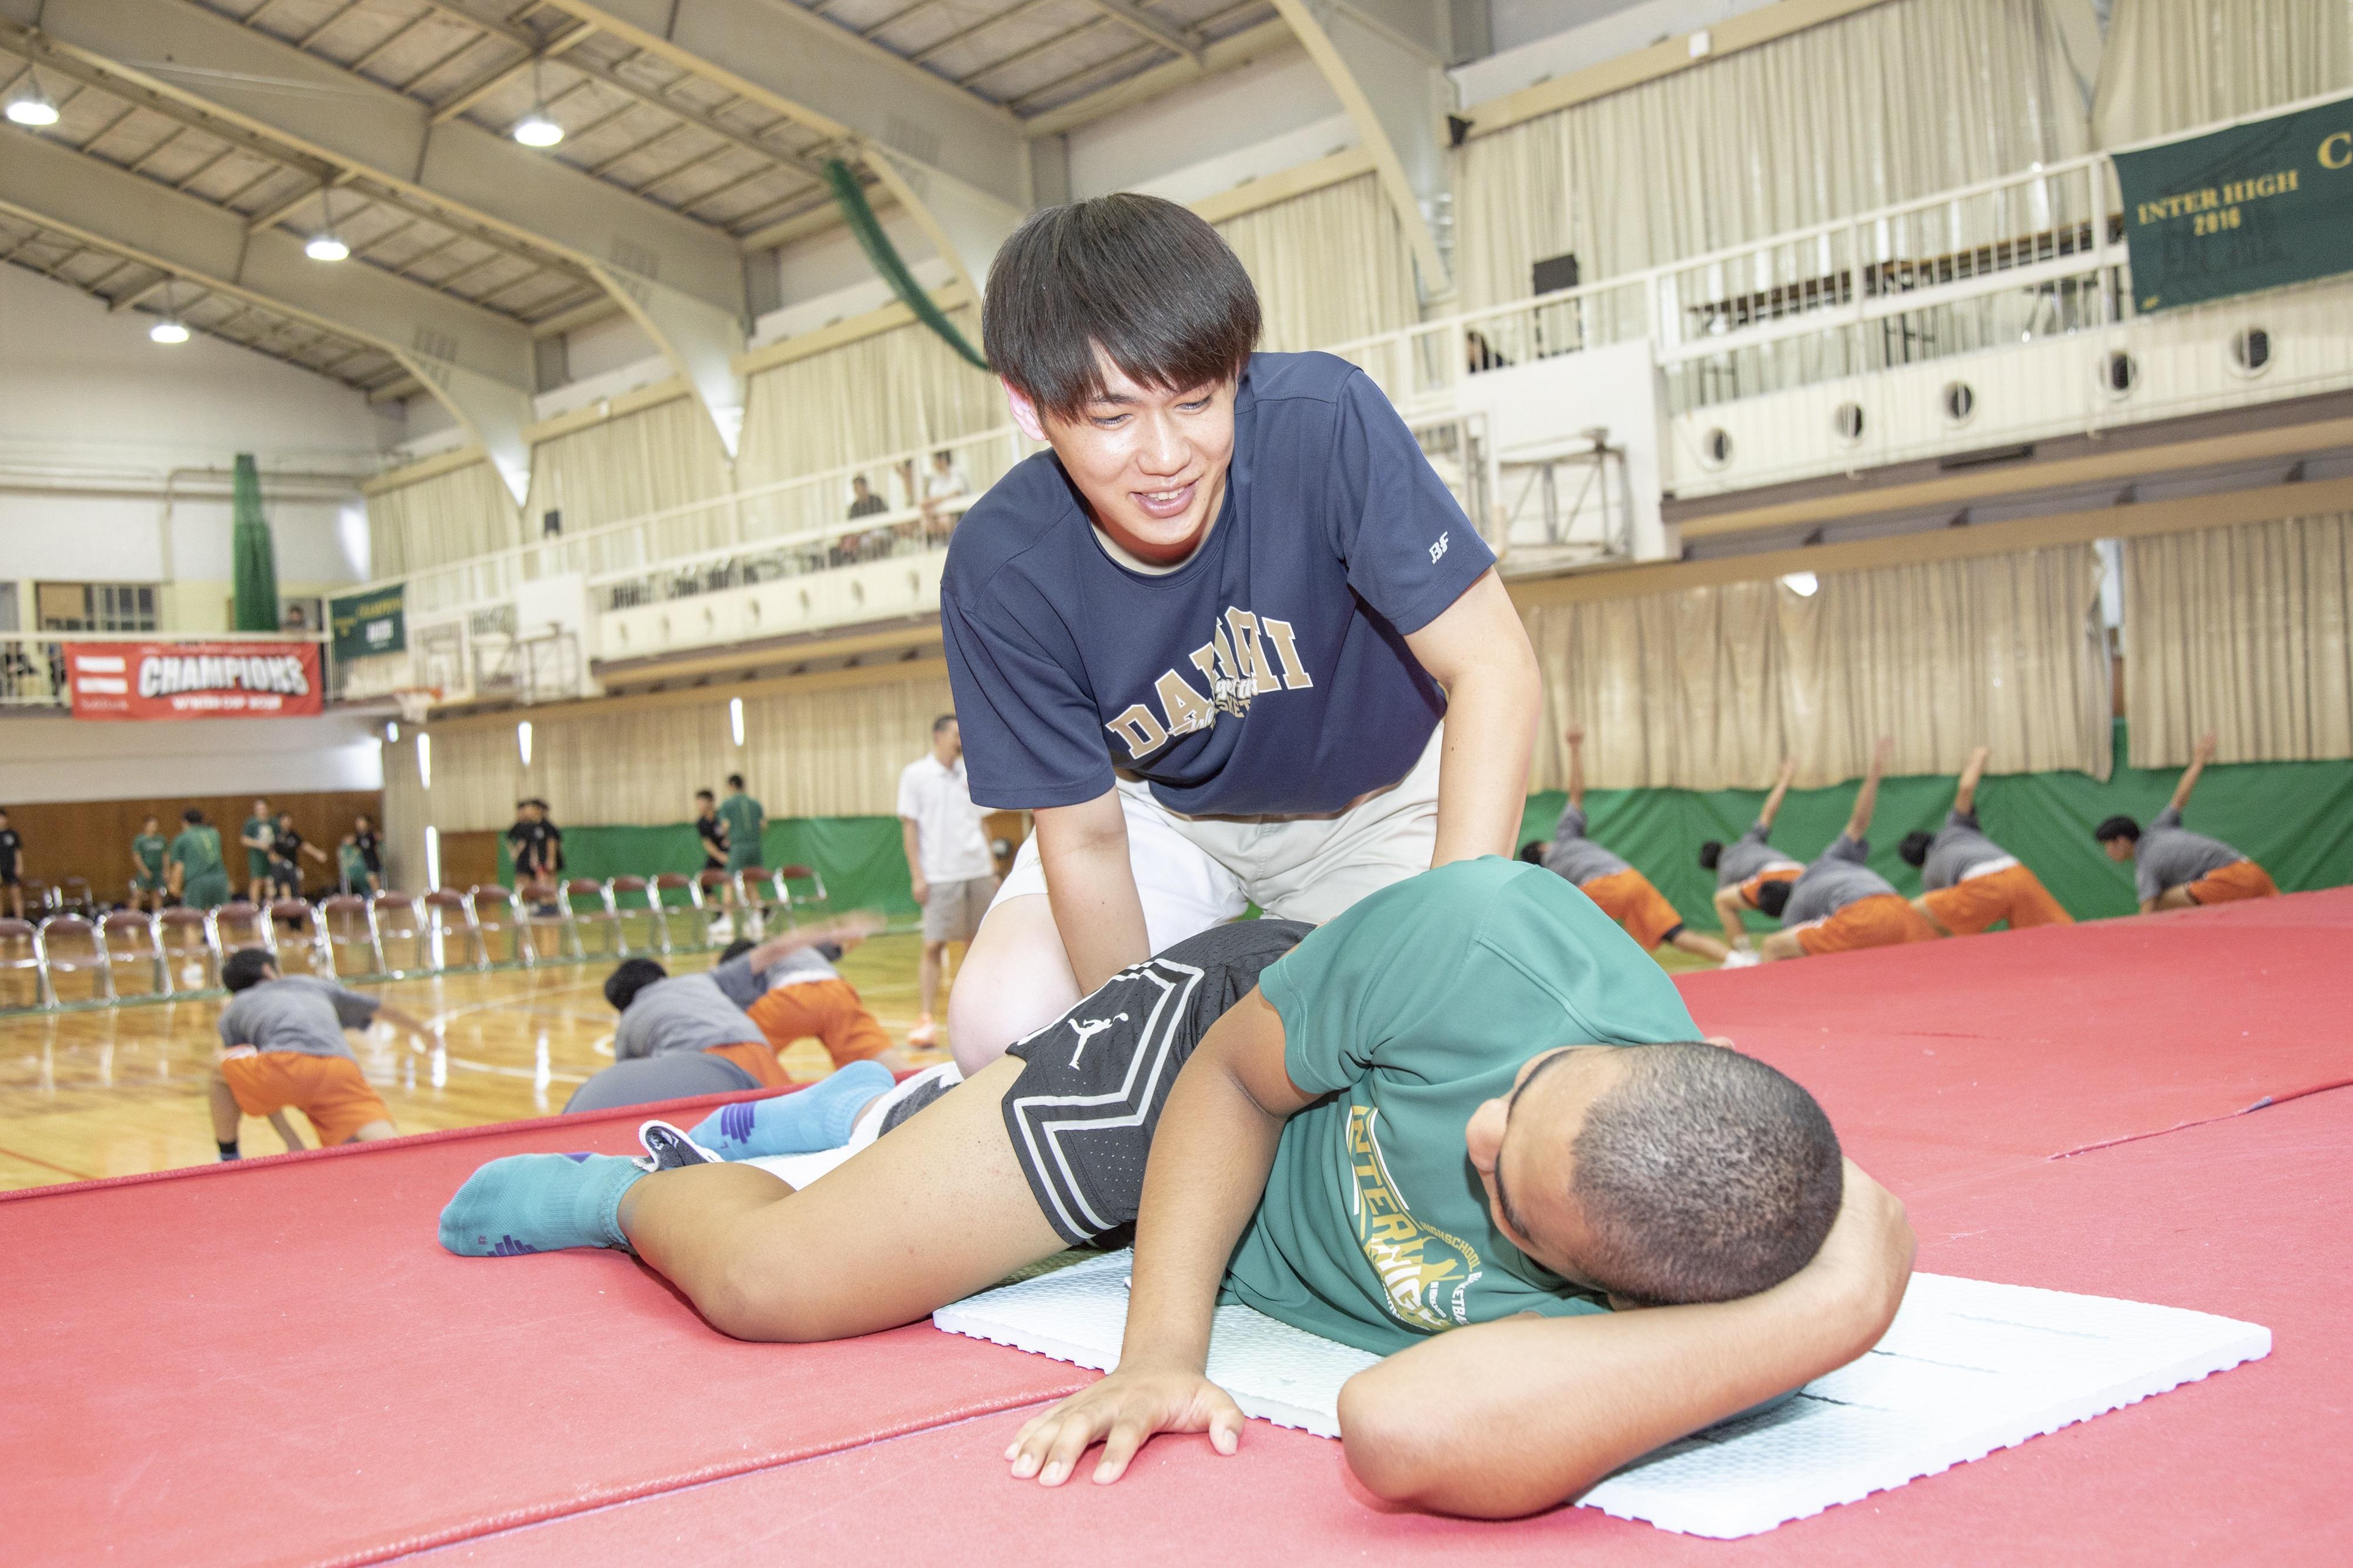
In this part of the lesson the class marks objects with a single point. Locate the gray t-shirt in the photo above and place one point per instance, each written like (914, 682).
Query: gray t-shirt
(1838, 879)
(296, 1013)
(2169, 854)
(696, 1012)
(1576, 857)
(1959, 847)
(1748, 855)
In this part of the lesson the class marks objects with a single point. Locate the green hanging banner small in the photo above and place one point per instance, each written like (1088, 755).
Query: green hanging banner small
(366, 624)
(851, 197)
(253, 560)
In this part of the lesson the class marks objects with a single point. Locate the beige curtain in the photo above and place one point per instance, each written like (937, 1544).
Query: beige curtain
(832, 752)
(1710, 687)
(2170, 65)
(647, 460)
(892, 392)
(1889, 104)
(2244, 632)
(1331, 265)
(466, 512)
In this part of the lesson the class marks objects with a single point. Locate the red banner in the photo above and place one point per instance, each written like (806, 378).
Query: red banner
(194, 680)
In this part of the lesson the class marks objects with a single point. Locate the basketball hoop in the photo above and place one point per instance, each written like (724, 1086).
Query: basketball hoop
(416, 702)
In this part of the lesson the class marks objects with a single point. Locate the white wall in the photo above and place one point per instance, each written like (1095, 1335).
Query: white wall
(49, 759)
(1264, 117)
(1536, 40)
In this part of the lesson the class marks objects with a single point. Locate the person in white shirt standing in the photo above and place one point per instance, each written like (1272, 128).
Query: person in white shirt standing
(948, 857)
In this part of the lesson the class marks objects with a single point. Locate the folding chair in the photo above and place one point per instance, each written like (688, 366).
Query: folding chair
(347, 920)
(74, 897)
(657, 939)
(589, 902)
(495, 909)
(450, 913)
(189, 942)
(20, 966)
(545, 908)
(129, 937)
(398, 918)
(66, 943)
(803, 889)
(757, 894)
(238, 924)
(308, 937)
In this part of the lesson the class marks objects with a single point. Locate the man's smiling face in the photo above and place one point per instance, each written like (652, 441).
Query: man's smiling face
(1150, 461)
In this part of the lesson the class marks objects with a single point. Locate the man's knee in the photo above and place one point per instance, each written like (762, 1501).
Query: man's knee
(770, 1300)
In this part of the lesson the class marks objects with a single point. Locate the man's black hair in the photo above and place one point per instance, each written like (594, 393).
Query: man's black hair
(737, 948)
(704, 794)
(1702, 1175)
(1914, 848)
(633, 975)
(1710, 853)
(2123, 827)
(1533, 851)
(242, 969)
(193, 817)
(942, 722)
(735, 781)
(1773, 897)
(1146, 280)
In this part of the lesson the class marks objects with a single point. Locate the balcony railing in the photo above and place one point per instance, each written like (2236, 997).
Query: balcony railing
(34, 666)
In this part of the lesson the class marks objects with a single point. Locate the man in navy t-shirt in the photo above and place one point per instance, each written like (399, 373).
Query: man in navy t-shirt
(1210, 637)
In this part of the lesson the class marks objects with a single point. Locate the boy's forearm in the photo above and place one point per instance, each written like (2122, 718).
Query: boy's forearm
(2189, 782)
(1780, 793)
(1728, 910)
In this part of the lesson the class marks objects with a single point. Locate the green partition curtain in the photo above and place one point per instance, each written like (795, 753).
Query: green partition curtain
(254, 559)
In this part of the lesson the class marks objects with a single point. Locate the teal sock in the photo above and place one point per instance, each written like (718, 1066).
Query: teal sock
(539, 1203)
(818, 1117)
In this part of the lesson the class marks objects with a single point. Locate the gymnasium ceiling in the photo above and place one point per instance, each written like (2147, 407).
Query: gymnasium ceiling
(667, 129)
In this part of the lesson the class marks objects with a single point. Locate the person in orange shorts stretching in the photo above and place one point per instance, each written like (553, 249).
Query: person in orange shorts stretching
(1743, 866)
(282, 1045)
(1624, 894)
(2176, 868)
(1971, 881)
(1840, 904)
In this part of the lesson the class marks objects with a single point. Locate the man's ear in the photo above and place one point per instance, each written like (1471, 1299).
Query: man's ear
(1024, 412)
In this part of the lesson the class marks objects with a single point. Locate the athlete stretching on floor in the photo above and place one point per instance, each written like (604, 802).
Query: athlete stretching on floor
(1742, 866)
(2176, 869)
(1624, 894)
(282, 1047)
(1972, 881)
(1397, 1126)
(1840, 903)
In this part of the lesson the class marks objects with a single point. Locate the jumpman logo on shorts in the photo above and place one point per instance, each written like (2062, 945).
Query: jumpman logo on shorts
(1089, 1030)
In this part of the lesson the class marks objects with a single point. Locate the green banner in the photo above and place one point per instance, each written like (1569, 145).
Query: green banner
(364, 624)
(2250, 207)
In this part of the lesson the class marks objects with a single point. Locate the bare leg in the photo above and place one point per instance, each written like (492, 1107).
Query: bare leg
(292, 1140)
(223, 1105)
(1780, 944)
(1698, 946)
(1928, 913)
(927, 976)
(1017, 981)
(2177, 898)
(927, 1216)
(373, 1130)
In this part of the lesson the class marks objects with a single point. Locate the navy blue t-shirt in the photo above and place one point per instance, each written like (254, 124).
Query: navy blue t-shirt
(1268, 674)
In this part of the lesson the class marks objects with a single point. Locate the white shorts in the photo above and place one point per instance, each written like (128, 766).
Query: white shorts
(1194, 872)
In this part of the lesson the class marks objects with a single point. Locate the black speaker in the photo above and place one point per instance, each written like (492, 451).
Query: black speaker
(1555, 273)
(551, 523)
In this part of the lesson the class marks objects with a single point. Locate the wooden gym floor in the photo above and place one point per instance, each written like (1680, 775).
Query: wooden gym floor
(117, 1091)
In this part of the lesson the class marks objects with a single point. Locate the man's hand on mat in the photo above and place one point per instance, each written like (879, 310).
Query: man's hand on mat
(1122, 1412)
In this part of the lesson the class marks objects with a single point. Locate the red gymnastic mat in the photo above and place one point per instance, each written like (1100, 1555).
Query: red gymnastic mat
(276, 1363)
(2243, 1218)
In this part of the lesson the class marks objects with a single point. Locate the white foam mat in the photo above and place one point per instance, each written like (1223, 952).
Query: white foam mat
(1966, 1368)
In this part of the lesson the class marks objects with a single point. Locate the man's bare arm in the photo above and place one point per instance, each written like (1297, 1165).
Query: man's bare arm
(2190, 775)
(1478, 651)
(1965, 798)
(1501, 1419)
(1082, 849)
(427, 1035)
(911, 840)
(1728, 910)
(1780, 793)
(1206, 1174)
(846, 929)
(1866, 799)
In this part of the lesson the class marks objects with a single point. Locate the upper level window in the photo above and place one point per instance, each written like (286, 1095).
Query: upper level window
(96, 607)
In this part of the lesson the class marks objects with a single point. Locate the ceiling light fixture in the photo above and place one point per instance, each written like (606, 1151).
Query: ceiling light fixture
(326, 248)
(168, 331)
(535, 129)
(34, 109)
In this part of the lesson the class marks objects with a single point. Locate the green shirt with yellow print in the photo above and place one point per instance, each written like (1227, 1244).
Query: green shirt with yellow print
(1408, 1012)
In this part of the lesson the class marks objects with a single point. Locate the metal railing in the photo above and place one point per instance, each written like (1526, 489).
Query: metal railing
(35, 666)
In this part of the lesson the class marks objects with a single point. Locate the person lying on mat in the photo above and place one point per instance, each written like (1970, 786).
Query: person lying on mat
(1742, 866)
(1470, 1103)
(1972, 881)
(1840, 904)
(1624, 894)
(282, 1047)
(2174, 868)
(751, 1004)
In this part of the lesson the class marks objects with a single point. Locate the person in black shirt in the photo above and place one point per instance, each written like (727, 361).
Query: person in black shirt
(538, 844)
(711, 831)
(370, 845)
(12, 867)
(864, 503)
(286, 851)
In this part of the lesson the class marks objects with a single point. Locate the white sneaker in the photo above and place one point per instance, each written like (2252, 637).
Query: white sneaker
(667, 1149)
(1741, 958)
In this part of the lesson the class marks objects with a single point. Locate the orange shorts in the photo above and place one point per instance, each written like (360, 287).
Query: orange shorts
(2239, 879)
(1749, 888)
(828, 1009)
(756, 1057)
(330, 1090)
(1884, 920)
(2013, 893)
(1628, 897)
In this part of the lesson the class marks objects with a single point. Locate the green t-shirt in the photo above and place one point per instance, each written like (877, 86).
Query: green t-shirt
(197, 851)
(1409, 1011)
(352, 864)
(257, 861)
(744, 819)
(148, 847)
